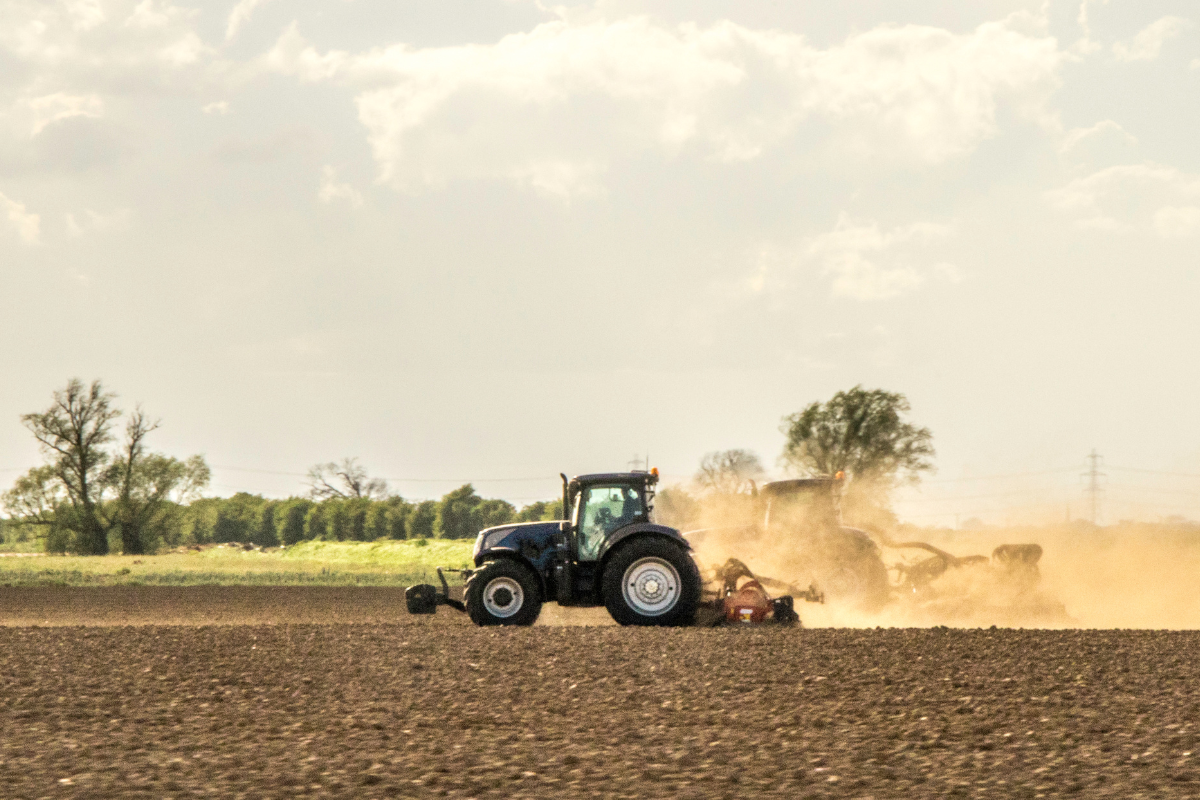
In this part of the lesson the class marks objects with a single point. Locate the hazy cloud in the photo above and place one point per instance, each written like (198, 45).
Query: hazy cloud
(1174, 222)
(70, 44)
(238, 16)
(149, 14)
(89, 221)
(260, 150)
(1103, 128)
(1119, 198)
(58, 106)
(554, 106)
(862, 260)
(1148, 43)
(219, 107)
(331, 190)
(25, 223)
(869, 263)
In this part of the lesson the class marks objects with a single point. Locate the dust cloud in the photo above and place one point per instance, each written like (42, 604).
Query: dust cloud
(886, 574)
(1124, 576)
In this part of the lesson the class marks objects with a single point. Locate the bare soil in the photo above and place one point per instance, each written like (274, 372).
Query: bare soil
(393, 706)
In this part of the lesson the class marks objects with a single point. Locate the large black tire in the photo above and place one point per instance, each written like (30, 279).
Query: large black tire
(862, 582)
(503, 592)
(650, 581)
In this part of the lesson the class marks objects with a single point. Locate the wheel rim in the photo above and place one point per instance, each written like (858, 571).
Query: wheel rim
(651, 586)
(503, 597)
(845, 582)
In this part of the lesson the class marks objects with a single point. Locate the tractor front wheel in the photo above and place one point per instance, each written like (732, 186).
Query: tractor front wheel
(503, 592)
(650, 581)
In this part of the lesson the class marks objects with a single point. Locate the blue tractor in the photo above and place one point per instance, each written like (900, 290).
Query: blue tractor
(606, 553)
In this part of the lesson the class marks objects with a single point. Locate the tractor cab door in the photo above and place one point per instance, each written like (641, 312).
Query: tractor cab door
(602, 509)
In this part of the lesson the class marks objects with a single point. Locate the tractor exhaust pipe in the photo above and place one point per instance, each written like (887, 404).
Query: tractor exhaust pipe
(566, 498)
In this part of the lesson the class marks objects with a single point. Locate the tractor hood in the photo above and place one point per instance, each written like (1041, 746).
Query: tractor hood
(530, 539)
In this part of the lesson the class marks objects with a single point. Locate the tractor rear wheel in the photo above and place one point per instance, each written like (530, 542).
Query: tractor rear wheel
(503, 592)
(650, 581)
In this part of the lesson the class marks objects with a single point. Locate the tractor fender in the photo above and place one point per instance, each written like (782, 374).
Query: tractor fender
(511, 554)
(638, 530)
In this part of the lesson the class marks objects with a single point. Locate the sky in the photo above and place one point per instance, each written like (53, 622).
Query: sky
(499, 239)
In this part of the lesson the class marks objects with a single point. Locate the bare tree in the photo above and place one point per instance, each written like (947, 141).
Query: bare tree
(88, 491)
(728, 471)
(72, 434)
(345, 480)
(148, 484)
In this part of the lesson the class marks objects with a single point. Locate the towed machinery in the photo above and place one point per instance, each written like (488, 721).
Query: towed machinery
(607, 553)
(799, 523)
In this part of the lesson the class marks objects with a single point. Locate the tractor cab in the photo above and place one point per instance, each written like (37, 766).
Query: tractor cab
(602, 505)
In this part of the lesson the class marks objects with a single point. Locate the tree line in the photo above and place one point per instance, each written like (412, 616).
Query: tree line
(97, 492)
(253, 519)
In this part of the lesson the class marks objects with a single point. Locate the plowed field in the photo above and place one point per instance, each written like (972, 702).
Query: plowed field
(375, 704)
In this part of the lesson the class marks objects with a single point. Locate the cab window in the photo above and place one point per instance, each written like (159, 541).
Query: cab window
(604, 509)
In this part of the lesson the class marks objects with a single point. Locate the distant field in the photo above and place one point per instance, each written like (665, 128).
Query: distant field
(384, 563)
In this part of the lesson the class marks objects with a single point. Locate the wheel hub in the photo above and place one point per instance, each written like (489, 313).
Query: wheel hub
(651, 586)
(503, 597)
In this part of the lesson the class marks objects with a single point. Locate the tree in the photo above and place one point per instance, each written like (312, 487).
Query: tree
(862, 433)
(455, 513)
(239, 518)
(728, 471)
(149, 487)
(421, 523)
(289, 521)
(72, 434)
(316, 526)
(491, 513)
(344, 481)
(540, 511)
(85, 491)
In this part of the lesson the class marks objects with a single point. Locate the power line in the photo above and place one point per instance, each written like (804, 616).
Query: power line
(979, 496)
(1158, 472)
(1008, 475)
(398, 480)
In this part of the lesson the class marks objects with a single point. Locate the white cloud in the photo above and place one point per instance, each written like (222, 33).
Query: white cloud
(868, 263)
(186, 50)
(219, 107)
(147, 14)
(861, 260)
(85, 14)
(331, 190)
(1122, 198)
(59, 106)
(26, 223)
(567, 99)
(84, 41)
(1106, 127)
(1174, 222)
(1148, 43)
(238, 16)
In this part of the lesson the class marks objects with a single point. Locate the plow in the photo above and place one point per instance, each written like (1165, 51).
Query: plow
(609, 552)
